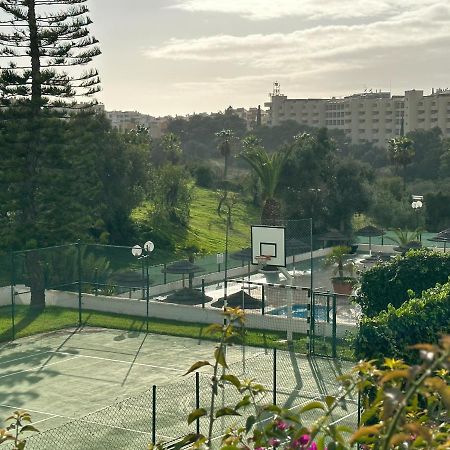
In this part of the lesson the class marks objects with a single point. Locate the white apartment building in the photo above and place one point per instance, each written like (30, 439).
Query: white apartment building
(127, 120)
(372, 117)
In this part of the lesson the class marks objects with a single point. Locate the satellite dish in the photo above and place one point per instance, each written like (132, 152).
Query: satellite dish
(149, 246)
(136, 250)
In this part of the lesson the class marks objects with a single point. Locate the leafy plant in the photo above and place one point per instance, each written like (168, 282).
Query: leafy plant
(338, 258)
(389, 283)
(404, 406)
(19, 424)
(393, 331)
(404, 237)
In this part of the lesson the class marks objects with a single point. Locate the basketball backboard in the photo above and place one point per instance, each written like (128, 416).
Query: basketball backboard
(270, 241)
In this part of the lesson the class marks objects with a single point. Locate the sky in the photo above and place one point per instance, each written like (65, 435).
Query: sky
(168, 57)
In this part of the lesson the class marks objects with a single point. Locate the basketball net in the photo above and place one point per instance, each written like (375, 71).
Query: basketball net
(262, 260)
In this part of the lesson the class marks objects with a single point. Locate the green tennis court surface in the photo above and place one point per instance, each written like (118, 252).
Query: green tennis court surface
(91, 389)
(66, 375)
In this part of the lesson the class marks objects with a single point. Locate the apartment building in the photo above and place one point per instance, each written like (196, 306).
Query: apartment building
(127, 120)
(372, 117)
(250, 116)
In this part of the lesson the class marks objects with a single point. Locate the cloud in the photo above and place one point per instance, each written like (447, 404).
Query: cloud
(319, 45)
(309, 9)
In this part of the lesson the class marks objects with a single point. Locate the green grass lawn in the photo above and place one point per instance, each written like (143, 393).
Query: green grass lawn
(206, 230)
(54, 318)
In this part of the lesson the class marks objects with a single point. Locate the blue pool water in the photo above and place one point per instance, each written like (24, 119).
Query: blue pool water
(301, 312)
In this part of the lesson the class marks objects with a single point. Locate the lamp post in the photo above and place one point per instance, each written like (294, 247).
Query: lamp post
(220, 258)
(416, 206)
(143, 253)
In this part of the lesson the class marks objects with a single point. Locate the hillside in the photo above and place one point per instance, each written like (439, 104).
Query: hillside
(206, 230)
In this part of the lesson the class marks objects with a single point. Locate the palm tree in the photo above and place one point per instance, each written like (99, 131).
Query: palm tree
(338, 257)
(401, 152)
(268, 169)
(225, 138)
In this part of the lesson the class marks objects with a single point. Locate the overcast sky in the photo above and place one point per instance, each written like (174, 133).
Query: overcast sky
(183, 56)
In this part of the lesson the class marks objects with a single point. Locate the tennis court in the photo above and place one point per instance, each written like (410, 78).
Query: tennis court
(92, 388)
(68, 374)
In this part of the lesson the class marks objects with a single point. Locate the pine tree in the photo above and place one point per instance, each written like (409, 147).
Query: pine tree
(42, 46)
(44, 177)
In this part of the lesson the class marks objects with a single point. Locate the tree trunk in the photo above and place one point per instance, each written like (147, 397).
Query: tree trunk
(271, 213)
(36, 279)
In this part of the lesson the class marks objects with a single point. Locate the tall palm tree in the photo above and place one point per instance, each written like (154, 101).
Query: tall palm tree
(401, 152)
(225, 138)
(268, 169)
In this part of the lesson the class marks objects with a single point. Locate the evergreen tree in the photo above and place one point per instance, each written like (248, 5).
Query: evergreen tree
(45, 178)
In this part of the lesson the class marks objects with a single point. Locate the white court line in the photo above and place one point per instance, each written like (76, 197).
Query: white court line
(43, 420)
(25, 357)
(18, 408)
(123, 362)
(82, 418)
(43, 366)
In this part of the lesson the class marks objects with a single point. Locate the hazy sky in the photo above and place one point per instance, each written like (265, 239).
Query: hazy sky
(183, 56)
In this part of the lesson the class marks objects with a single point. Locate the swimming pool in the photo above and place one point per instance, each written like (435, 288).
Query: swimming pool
(301, 312)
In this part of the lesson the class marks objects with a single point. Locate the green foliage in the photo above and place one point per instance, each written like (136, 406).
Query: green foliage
(198, 133)
(403, 405)
(392, 332)
(437, 213)
(318, 181)
(401, 151)
(429, 146)
(204, 175)
(338, 259)
(206, 230)
(268, 169)
(19, 423)
(172, 194)
(389, 283)
(391, 205)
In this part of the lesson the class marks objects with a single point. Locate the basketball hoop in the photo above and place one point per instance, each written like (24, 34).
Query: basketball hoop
(262, 260)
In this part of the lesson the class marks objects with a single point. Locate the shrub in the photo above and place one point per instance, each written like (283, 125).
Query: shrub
(391, 282)
(392, 332)
(204, 176)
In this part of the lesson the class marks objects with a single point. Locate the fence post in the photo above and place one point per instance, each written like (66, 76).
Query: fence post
(274, 376)
(78, 244)
(165, 273)
(328, 309)
(154, 414)
(197, 398)
(263, 301)
(143, 278)
(359, 415)
(333, 342)
(13, 297)
(96, 281)
(147, 295)
(203, 293)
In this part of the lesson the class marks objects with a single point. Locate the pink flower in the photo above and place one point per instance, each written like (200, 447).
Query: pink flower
(273, 442)
(282, 425)
(301, 443)
(260, 448)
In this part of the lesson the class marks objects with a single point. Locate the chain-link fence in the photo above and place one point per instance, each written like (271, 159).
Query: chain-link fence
(160, 414)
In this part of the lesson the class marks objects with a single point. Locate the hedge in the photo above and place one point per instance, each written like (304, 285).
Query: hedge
(391, 282)
(392, 332)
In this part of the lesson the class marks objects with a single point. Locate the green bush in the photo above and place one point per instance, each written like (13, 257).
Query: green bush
(391, 283)
(392, 332)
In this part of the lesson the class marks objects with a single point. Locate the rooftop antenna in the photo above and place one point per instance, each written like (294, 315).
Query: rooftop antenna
(276, 89)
